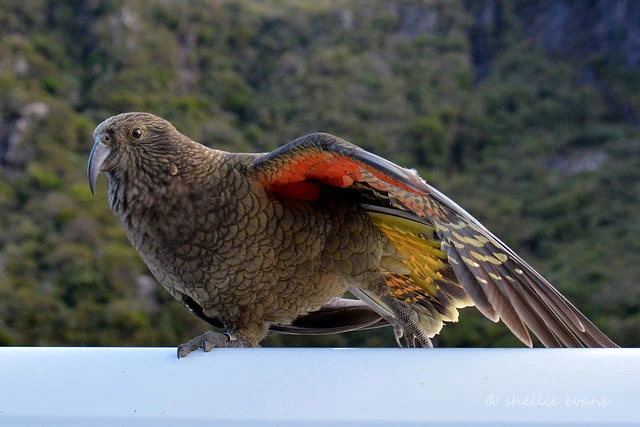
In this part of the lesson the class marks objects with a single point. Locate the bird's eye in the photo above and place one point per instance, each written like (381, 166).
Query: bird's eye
(136, 133)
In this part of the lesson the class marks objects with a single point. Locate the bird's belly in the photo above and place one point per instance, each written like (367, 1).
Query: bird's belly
(287, 260)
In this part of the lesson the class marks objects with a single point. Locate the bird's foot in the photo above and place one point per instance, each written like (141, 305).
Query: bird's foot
(411, 331)
(407, 324)
(210, 340)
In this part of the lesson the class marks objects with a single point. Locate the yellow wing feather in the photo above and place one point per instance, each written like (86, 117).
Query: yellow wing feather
(417, 271)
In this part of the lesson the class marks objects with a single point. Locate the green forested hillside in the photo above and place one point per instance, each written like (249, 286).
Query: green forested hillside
(531, 132)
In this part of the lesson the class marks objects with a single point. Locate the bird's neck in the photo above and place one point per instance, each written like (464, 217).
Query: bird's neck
(140, 188)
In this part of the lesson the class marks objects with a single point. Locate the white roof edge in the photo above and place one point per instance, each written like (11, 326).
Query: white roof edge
(262, 387)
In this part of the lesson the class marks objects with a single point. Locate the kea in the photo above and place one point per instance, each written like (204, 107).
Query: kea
(254, 243)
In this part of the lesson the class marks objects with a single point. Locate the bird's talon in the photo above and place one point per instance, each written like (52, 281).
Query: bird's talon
(210, 340)
(182, 351)
(411, 341)
(207, 346)
(186, 348)
(398, 332)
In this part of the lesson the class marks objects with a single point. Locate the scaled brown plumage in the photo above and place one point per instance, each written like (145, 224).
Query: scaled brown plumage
(252, 242)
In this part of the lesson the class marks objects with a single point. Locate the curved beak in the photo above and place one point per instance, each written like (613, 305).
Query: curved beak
(99, 153)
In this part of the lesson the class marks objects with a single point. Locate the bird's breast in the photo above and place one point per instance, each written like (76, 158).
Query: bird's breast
(236, 247)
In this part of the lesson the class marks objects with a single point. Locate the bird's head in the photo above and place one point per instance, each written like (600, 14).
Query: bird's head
(132, 143)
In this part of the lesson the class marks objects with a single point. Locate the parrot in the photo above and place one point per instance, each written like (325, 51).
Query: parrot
(259, 243)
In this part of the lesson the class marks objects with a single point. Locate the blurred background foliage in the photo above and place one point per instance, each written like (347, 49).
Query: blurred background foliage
(525, 112)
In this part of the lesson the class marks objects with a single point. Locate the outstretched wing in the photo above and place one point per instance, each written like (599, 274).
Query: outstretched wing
(445, 258)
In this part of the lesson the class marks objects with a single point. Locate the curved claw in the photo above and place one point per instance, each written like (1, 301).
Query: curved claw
(398, 332)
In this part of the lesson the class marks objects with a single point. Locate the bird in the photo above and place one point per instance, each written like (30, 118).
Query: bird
(256, 243)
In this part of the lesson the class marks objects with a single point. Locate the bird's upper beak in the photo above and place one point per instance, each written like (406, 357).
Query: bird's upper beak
(99, 153)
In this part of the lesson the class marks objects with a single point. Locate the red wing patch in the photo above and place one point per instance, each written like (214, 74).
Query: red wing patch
(294, 170)
(298, 178)
(306, 191)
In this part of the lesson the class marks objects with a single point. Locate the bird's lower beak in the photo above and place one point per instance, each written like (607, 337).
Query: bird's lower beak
(99, 153)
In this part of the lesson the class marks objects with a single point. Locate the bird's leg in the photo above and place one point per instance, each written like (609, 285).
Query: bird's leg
(210, 340)
(406, 323)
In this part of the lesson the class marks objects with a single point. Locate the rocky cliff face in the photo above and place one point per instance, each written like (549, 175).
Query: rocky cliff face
(15, 147)
(606, 30)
